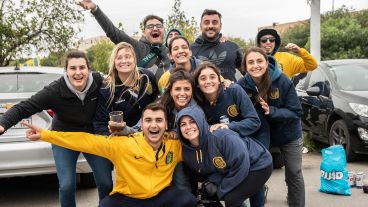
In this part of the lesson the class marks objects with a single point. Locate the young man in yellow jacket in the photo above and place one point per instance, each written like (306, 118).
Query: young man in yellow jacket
(144, 161)
(270, 41)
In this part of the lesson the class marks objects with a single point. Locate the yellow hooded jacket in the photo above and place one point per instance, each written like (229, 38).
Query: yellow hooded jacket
(292, 64)
(141, 172)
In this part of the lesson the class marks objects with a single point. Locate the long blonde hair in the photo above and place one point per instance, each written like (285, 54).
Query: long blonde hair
(113, 73)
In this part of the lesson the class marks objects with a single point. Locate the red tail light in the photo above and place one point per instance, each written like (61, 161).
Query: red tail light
(50, 112)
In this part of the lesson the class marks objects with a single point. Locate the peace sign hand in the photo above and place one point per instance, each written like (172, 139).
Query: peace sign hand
(34, 132)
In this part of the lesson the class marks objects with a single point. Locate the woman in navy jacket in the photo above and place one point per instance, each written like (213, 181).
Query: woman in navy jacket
(281, 107)
(217, 102)
(236, 167)
(126, 88)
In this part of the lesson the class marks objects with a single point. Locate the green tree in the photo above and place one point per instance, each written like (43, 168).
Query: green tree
(243, 44)
(99, 55)
(30, 26)
(178, 20)
(55, 59)
(344, 34)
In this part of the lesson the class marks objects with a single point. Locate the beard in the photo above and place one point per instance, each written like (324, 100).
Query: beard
(214, 37)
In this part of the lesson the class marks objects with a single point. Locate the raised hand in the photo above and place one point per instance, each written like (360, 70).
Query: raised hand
(264, 106)
(293, 47)
(87, 4)
(33, 133)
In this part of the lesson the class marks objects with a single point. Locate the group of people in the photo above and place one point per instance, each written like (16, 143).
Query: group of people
(187, 119)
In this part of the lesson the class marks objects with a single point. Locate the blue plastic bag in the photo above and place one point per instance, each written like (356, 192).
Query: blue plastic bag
(334, 175)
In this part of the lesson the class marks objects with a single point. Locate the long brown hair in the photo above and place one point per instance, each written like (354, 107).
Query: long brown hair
(264, 86)
(179, 74)
(198, 94)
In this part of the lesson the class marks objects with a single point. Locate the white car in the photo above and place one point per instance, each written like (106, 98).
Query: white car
(18, 155)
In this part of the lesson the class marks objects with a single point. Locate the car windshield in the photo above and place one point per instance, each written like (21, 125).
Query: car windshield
(353, 77)
(25, 82)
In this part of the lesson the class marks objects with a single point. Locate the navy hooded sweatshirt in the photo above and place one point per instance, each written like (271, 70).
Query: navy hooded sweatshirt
(227, 55)
(285, 114)
(222, 156)
(236, 105)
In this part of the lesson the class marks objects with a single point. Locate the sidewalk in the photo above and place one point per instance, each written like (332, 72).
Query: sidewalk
(311, 162)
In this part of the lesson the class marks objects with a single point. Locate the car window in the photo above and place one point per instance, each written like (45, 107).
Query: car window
(25, 82)
(352, 77)
(317, 79)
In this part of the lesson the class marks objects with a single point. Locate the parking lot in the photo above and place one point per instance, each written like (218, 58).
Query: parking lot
(42, 191)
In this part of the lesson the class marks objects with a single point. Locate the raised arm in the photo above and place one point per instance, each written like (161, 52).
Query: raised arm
(78, 141)
(115, 35)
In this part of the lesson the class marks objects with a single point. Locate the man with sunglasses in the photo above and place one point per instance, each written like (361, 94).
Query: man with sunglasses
(270, 41)
(151, 53)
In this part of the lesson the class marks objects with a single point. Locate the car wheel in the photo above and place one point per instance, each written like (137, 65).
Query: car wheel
(339, 134)
(87, 180)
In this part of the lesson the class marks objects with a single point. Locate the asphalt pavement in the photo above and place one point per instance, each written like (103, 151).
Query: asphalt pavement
(42, 191)
(311, 166)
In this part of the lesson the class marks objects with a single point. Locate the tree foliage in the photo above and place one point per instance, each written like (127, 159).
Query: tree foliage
(344, 34)
(29, 26)
(99, 55)
(178, 20)
(55, 59)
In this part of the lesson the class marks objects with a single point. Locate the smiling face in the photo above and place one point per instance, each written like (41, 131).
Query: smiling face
(171, 35)
(208, 82)
(77, 72)
(189, 130)
(181, 93)
(180, 53)
(256, 65)
(124, 61)
(267, 43)
(154, 32)
(210, 26)
(153, 126)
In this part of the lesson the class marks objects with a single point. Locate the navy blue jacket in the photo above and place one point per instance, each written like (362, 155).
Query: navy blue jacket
(226, 55)
(124, 100)
(222, 156)
(285, 109)
(236, 105)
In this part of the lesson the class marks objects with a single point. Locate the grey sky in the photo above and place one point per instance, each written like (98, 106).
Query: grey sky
(241, 18)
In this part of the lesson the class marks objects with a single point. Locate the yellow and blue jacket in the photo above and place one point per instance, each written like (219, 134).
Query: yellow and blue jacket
(141, 172)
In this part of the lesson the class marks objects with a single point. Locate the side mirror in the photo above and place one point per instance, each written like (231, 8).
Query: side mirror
(314, 91)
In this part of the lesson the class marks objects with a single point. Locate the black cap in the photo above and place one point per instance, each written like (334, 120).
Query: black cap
(272, 32)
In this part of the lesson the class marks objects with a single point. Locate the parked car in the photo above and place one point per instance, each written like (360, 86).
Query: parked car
(18, 155)
(335, 103)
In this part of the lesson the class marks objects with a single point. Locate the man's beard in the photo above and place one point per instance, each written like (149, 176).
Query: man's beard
(212, 38)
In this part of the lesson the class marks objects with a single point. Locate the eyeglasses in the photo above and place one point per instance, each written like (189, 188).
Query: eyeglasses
(151, 26)
(271, 39)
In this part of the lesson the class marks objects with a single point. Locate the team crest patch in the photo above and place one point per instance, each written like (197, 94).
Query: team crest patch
(219, 162)
(275, 94)
(169, 157)
(232, 111)
(149, 88)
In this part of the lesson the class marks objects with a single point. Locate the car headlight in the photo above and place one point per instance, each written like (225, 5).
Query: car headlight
(360, 109)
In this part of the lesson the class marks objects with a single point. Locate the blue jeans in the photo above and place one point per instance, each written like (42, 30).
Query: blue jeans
(66, 161)
(180, 179)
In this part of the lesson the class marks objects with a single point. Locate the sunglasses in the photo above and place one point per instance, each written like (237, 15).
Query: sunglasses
(271, 39)
(151, 26)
